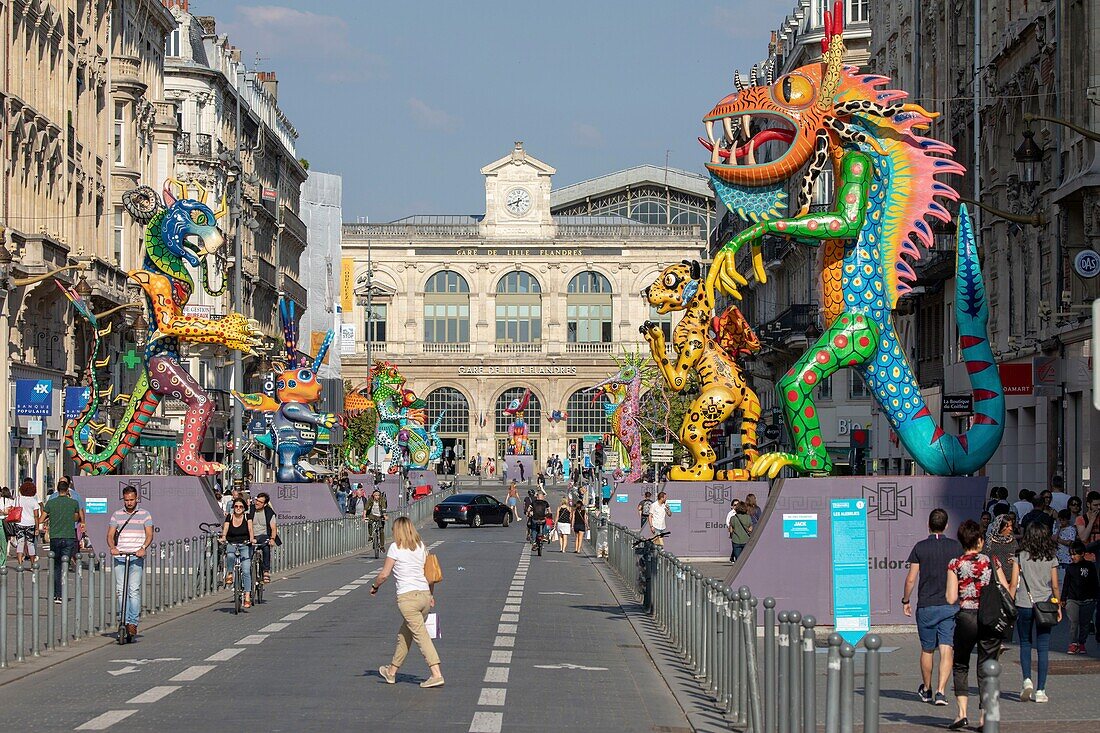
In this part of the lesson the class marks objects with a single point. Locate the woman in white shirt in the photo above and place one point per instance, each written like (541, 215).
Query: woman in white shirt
(29, 519)
(405, 560)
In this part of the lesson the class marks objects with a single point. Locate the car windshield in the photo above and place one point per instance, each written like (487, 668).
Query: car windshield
(460, 499)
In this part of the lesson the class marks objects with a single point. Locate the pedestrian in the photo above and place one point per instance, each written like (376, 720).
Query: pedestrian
(6, 503)
(27, 514)
(643, 509)
(1025, 504)
(565, 523)
(1079, 594)
(62, 514)
(353, 498)
(504, 471)
(540, 481)
(129, 532)
(984, 521)
(1001, 545)
(513, 500)
(740, 527)
(1088, 524)
(1038, 513)
(405, 560)
(1074, 506)
(1065, 534)
(754, 510)
(342, 498)
(530, 497)
(492, 467)
(995, 498)
(1036, 580)
(522, 470)
(580, 525)
(928, 561)
(658, 517)
(967, 575)
(1059, 499)
(227, 500)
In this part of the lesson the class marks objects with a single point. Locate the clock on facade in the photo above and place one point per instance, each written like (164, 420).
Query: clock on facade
(518, 201)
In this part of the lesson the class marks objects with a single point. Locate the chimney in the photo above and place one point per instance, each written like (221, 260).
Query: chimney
(178, 4)
(269, 82)
(207, 23)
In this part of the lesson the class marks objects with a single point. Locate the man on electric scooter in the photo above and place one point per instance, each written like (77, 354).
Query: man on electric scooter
(129, 533)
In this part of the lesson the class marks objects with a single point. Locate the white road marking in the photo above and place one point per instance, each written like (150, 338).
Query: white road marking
(510, 617)
(330, 599)
(292, 593)
(141, 662)
(487, 722)
(558, 593)
(500, 656)
(351, 586)
(505, 641)
(492, 696)
(153, 694)
(224, 655)
(507, 629)
(512, 608)
(310, 607)
(192, 673)
(496, 674)
(109, 718)
(339, 593)
(567, 665)
(272, 628)
(293, 616)
(253, 639)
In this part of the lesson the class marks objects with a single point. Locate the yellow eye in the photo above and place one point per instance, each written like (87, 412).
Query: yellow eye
(198, 217)
(794, 90)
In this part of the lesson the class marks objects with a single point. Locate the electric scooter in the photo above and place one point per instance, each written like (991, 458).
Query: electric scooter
(124, 636)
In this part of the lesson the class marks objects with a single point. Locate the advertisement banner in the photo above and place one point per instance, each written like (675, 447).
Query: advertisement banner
(347, 338)
(347, 284)
(76, 398)
(851, 580)
(34, 397)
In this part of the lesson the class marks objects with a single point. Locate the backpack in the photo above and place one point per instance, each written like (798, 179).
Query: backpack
(643, 506)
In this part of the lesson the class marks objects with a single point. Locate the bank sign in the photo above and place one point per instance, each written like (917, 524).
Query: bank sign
(34, 397)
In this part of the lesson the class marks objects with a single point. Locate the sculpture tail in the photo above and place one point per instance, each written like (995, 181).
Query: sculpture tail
(939, 452)
(143, 403)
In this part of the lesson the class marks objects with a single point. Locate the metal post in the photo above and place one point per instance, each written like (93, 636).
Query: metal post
(784, 673)
(872, 666)
(103, 592)
(991, 696)
(748, 637)
(3, 616)
(36, 622)
(832, 685)
(78, 605)
(51, 609)
(238, 288)
(847, 687)
(91, 593)
(771, 707)
(64, 602)
(809, 675)
(112, 607)
(795, 668)
(20, 609)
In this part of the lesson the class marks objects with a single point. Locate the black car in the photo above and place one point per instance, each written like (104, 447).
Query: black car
(472, 509)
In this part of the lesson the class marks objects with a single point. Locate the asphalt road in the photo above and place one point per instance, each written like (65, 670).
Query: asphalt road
(528, 643)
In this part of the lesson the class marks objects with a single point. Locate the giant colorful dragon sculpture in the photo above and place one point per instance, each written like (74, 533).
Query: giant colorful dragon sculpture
(519, 442)
(180, 233)
(887, 186)
(403, 429)
(360, 421)
(623, 391)
(293, 430)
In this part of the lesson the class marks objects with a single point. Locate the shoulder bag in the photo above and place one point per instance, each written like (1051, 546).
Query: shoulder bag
(432, 572)
(1046, 612)
(996, 608)
(14, 515)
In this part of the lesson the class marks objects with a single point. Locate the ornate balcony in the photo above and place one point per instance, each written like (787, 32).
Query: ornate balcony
(589, 348)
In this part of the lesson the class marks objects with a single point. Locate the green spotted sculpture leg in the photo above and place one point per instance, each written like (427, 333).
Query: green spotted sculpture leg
(849, 342)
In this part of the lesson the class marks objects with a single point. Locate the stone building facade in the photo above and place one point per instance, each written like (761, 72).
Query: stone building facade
(539, 292)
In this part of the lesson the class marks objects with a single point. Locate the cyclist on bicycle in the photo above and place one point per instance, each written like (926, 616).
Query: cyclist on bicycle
(537, 512)
(238, 536)
(374, 510)
(263, 524)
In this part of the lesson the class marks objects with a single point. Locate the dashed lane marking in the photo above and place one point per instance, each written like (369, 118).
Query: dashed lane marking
(294, 616)
(487, 722)
(224, 655)
(510, 617)
(508, 641)
(253, 639)
(331, 598)
(500, 656)
(496, 674)
(272, 628)
(512, 608)
(506, 628)
(153, 694)
(192, 673)
(492, 696)
(109, 718)
(311, 607)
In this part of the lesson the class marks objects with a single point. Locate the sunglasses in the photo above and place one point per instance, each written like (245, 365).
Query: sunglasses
(238, 506)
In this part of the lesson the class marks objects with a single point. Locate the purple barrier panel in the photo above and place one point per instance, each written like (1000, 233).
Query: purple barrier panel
(789, 555)
(393, 485)
(514, 462)
(699, 508)
(178, 504)
(299, 502)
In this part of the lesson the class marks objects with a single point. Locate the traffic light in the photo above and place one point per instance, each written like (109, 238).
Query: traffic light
(598, 456)
(860, 442)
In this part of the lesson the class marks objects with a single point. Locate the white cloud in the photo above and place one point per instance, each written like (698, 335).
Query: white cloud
(430, 118)
(586, 135)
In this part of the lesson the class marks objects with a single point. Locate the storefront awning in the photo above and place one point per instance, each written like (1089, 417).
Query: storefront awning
(157, 439)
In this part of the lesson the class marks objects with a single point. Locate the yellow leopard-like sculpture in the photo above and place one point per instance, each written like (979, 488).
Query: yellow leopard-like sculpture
(710, 348)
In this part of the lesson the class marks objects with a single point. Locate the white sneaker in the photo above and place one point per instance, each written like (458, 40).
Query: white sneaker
(1041, 696)
(1028, 692)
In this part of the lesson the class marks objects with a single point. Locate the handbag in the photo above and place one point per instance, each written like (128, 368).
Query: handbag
(1046, 612)
(14, 515)
(432, 572)
(996, 608)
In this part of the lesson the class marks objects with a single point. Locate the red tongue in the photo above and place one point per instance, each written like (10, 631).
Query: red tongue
(757, 140)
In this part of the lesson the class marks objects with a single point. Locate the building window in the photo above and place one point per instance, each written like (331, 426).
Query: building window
(588, 309)
(825, 388)
(447, 308)
(456, 418)
(375, 321)
(119, 237)
(857, 388)
(664, 320)
(120, 120)
(519, 309)
(586, 416)
(857, 11)
(532, 415)
(649, 211)
(172, 45)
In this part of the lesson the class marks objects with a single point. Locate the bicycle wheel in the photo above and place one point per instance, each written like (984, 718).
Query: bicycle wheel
(257, 578)
(376, 541)
(238, 589)
(539, 545)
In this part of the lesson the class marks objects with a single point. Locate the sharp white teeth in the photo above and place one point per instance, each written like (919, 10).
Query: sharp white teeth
(746, 126)
(710, 132)
(715, 158)
(750, 157)
(727, 122)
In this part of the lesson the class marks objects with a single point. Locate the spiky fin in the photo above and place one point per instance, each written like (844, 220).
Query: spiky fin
(832, 54)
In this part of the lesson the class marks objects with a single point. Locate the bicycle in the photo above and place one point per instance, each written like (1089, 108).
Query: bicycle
(377, 535)
(257, 576)
(538, 527)
(238, 583)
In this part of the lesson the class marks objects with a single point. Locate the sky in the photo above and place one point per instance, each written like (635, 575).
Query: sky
(408, 100)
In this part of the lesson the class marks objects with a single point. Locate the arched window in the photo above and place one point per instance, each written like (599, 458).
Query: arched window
(447, 308)
(456, 420)
(519, 309)
(665, 320)
(586, 417)
(588, 308)
(532, 415)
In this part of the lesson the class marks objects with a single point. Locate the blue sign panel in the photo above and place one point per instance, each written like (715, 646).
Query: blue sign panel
(33, 397)
(95, 506)
(76, 398)
(675, 505)
(851, 582)
(622, 498)
(799, 526)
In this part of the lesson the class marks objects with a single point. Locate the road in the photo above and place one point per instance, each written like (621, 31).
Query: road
(528, 643)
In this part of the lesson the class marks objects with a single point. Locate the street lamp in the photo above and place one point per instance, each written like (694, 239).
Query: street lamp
(1029, 159)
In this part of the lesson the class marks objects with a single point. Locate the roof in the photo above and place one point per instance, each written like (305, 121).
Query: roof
(639, 175)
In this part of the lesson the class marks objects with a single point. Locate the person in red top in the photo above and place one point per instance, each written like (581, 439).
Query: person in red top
(966, 576)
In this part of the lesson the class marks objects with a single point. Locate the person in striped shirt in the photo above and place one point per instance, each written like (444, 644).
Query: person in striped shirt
(130, 532)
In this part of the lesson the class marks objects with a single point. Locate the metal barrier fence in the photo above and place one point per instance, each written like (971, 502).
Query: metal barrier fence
(176, 572)
(766, 683)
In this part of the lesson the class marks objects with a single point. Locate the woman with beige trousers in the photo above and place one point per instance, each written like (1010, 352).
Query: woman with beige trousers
(405, 560)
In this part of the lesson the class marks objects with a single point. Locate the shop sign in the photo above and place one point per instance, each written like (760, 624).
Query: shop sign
(33, 397)
(1087, 263)
(76, 399)
(1016, 378)
(958, 404)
